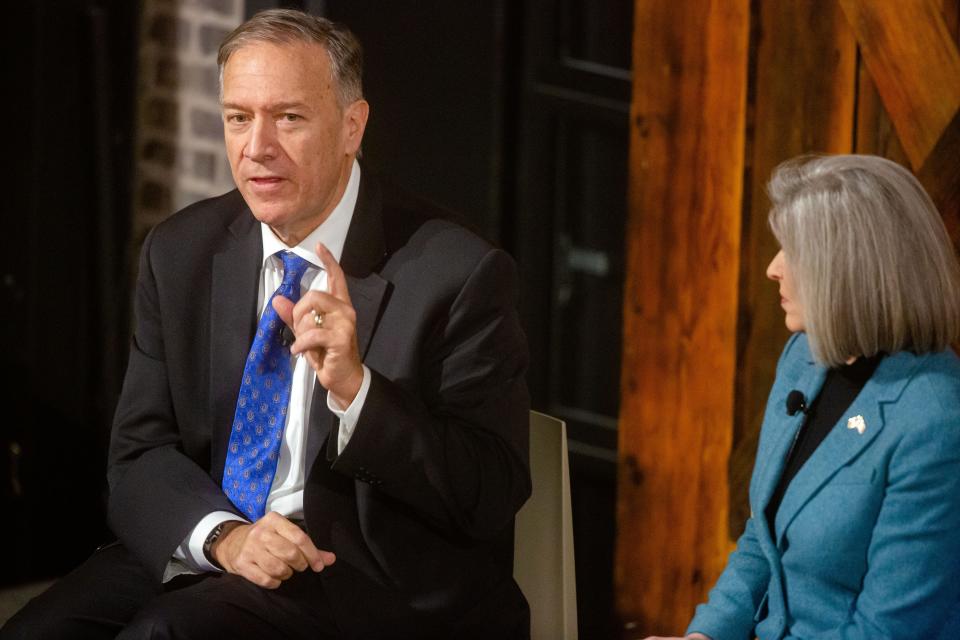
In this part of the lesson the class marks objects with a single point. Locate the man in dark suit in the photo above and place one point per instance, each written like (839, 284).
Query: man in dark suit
(355, 475)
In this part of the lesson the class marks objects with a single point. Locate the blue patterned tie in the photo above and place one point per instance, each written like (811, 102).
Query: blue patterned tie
(262, 404)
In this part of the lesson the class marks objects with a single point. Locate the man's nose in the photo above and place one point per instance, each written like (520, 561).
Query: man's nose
(262, 144)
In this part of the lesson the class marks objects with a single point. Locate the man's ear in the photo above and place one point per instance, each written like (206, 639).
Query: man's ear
(355, 123)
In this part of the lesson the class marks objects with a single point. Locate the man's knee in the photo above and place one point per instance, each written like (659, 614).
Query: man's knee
(93, 601)
(157, 620)
(175, 615)
(36, 622)
(25, 624)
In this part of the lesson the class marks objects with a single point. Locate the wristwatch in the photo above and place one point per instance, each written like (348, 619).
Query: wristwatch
(212, 537)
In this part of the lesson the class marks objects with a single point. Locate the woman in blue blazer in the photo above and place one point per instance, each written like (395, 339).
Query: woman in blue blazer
(854, 531)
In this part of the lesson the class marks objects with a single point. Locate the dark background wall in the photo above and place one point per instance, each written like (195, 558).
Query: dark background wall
(439, 95)
(69, 92)
(514, 114)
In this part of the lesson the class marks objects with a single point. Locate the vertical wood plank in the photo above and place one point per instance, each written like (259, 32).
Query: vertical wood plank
(940, 176)
(940, 173)
(804, 100)
(683, 247)
(876, 134)
(951, 17)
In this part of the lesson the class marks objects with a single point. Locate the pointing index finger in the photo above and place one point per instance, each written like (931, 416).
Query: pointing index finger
(336, 281)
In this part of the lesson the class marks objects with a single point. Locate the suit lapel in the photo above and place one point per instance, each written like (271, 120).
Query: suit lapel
(367, 295)
(843, 444)
(233, 319)
(363, 252)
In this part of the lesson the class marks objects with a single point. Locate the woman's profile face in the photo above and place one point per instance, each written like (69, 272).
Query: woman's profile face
(779, 272)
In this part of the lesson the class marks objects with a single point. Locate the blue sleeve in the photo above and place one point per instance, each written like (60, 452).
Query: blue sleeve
(733, 602)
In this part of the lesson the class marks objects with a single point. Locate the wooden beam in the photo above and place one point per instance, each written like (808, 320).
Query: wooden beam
(680, 309)
(804, 97)
(914, 61)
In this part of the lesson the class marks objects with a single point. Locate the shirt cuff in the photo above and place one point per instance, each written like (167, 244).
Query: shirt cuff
(190, 551)
(351, 415)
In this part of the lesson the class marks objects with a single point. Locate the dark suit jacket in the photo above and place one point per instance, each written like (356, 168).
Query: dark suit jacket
(419, 506)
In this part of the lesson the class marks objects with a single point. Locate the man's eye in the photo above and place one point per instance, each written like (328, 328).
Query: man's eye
(291, 117)
(236, 118)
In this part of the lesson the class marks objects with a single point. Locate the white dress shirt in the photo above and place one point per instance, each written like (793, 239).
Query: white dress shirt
(286, 492)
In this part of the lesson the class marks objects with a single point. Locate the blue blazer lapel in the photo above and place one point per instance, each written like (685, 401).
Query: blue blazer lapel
(843, 444)
(784, 429)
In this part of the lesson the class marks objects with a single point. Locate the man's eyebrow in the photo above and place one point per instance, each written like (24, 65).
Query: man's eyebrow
(280, 106)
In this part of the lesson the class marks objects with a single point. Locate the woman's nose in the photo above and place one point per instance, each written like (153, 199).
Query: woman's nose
(775, 268)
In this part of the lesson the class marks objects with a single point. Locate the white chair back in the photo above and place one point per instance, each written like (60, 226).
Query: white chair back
(543, 560)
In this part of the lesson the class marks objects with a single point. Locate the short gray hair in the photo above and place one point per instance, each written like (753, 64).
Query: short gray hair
(286, 26)
(874, 266)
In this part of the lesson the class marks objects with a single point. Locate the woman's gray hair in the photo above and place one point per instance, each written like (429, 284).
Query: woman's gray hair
(286, 26)
(874, 267)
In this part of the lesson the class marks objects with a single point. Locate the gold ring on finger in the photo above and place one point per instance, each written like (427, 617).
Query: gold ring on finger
(317, 318)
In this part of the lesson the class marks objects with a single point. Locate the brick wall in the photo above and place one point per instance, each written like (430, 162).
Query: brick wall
(179, 148)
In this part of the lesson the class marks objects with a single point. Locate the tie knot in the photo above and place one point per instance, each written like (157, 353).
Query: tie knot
(293, 268)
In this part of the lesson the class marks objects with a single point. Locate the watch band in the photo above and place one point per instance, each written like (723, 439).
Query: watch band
(212, 537)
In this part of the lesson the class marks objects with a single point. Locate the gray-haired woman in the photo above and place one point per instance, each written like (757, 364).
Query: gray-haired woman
(855, 494)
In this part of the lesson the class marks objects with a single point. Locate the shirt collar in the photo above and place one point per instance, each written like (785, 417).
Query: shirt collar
(332, 232)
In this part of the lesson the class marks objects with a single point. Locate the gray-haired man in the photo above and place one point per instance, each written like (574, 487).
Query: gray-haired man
(322, 431)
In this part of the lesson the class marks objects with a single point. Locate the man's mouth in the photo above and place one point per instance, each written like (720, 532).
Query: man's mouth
(265, 184)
